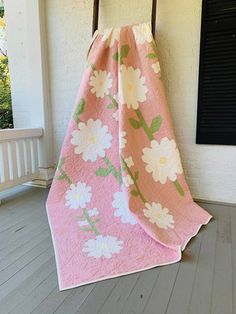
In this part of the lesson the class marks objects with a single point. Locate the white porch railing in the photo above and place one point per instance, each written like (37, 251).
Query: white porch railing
(19, 156)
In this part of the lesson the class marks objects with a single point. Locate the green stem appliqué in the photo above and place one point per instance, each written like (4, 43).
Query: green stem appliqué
(136, 192)
(113, 103)
(154, 54)
(79, 110)
(141, 123)
(63, 175)
(110, 169)
(178, 187)
(92, 223)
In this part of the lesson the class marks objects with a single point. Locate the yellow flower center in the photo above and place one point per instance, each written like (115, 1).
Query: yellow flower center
(101, 83)
(77, 196)
(162, 160)
(103, 245)
(130, 87)
(158, 215)
(92, 139)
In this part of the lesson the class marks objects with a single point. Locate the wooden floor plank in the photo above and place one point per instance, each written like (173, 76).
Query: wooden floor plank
(141, 292)
(29, 211)
(233, 251)
(37, 295)
(98, 296)
(15, 229)
(24, 273)
(22, 239)
(222, 294)
(50, 304)
(181, 294)
(202, 287)
(28, 229)
(161, 292)
(32, 203)
(9, 209)
(24, 260)
(120, 294)
(17, 291)
(14, 255)
(13, 217)
(75, 299)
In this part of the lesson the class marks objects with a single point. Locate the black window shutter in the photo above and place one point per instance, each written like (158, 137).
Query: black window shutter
(216, 116)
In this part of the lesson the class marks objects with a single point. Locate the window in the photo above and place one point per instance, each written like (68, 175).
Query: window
(216, 117)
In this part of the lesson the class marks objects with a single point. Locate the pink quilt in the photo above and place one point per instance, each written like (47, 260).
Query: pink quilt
(119, 202)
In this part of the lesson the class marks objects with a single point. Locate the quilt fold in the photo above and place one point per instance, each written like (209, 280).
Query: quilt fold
(119, 202)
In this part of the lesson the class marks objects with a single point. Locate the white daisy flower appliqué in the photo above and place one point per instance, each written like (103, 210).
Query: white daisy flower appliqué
(133, 88)
(83, 223)
(158, 215)
(115, 115)
(127, 180)
(102, 246)
(101, 81)
(78, 195)
(156, 67)
(110, 36)
(122, 210)
(129, 161)
(142, 33)
(93, 212)
(162, 160)
(122, 140)
(91, 140)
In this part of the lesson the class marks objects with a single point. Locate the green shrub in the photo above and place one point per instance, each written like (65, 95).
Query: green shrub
(6, 120)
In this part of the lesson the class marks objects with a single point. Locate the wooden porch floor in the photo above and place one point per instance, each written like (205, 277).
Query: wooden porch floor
(203, 282)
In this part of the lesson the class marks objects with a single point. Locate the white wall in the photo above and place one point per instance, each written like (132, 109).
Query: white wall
(210, 169)
(17, 41)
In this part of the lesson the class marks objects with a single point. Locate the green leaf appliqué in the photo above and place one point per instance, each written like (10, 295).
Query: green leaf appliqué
(110, 106)
(135, 123)
(134, 193)
(103, 172)
(79, 110)
(151, 56)
(115, 56)
(124, 50)
(156, 123)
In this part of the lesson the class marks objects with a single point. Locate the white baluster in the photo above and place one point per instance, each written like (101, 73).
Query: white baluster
(13, 160)
(21, 158)
(28, 156)
(5, 157)
(34, 147)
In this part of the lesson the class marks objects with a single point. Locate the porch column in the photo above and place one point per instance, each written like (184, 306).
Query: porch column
(33, 97)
